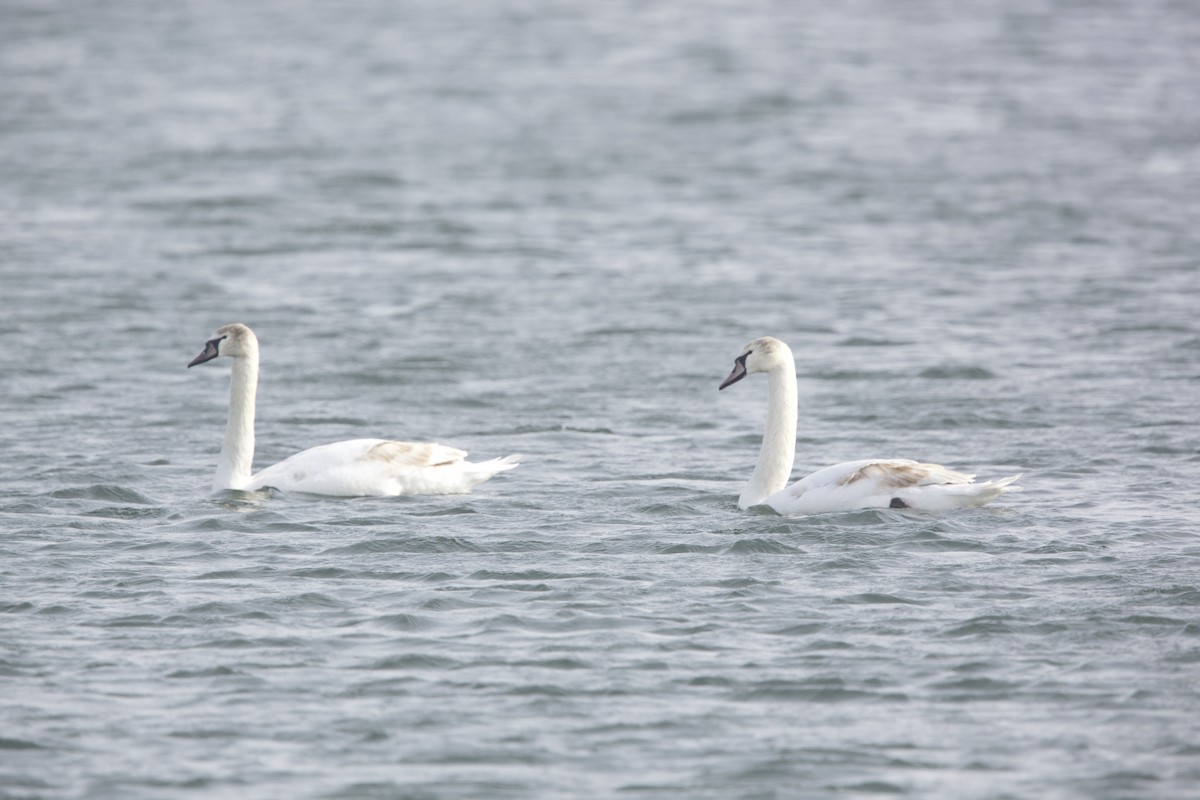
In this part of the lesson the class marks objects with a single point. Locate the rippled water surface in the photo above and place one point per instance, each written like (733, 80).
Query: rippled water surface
(545, 227)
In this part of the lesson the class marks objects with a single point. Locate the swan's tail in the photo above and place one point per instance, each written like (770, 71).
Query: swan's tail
(978, 494)
(947, 496)
(989, 491)
(480, 471)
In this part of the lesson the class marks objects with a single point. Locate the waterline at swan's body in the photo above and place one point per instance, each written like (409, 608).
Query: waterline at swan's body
(850, 486)
(353, 468)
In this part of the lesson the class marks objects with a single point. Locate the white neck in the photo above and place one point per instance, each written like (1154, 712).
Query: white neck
(237, 450)
(774, 465)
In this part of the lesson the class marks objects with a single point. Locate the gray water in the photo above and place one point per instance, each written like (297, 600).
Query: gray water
(546, 227)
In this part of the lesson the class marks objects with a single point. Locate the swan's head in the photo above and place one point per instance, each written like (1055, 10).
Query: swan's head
(235, 340)
(761, 355)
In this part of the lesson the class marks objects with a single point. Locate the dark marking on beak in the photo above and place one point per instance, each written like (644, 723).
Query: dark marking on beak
(210, 352)
(739, 372)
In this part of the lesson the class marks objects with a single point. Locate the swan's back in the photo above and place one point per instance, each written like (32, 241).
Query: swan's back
(379, 467)
(886, 483)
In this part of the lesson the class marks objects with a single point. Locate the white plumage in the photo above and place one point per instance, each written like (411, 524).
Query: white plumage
(850, 486)
(353, 468)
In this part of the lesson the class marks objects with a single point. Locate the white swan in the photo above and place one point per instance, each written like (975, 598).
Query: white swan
(853, 485)
(353, 468)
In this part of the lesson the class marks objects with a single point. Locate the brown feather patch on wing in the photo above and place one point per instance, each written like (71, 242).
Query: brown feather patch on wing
(899, 476)
(416, 455)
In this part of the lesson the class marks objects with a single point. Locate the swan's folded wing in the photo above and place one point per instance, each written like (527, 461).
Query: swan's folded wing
(902, 473)
(852, 485)
(855, 474)
(414, 454)
(357, 467)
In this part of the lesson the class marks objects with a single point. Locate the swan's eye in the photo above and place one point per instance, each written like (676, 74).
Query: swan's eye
(742, 358)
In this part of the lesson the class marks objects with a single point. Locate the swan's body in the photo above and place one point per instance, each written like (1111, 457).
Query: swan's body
(850, 486)
(353, 468)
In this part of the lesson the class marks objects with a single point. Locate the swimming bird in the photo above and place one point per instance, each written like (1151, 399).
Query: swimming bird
(353, 468)
(852, 485)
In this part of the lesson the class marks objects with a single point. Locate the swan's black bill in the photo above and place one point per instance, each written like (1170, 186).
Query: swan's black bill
(210, 352)
(739, 372)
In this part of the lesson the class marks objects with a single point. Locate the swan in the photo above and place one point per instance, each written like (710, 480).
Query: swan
(353, 468)
(850, 486)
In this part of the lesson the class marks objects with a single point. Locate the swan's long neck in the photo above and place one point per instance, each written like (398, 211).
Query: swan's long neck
(237, 450)
(774, 465)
